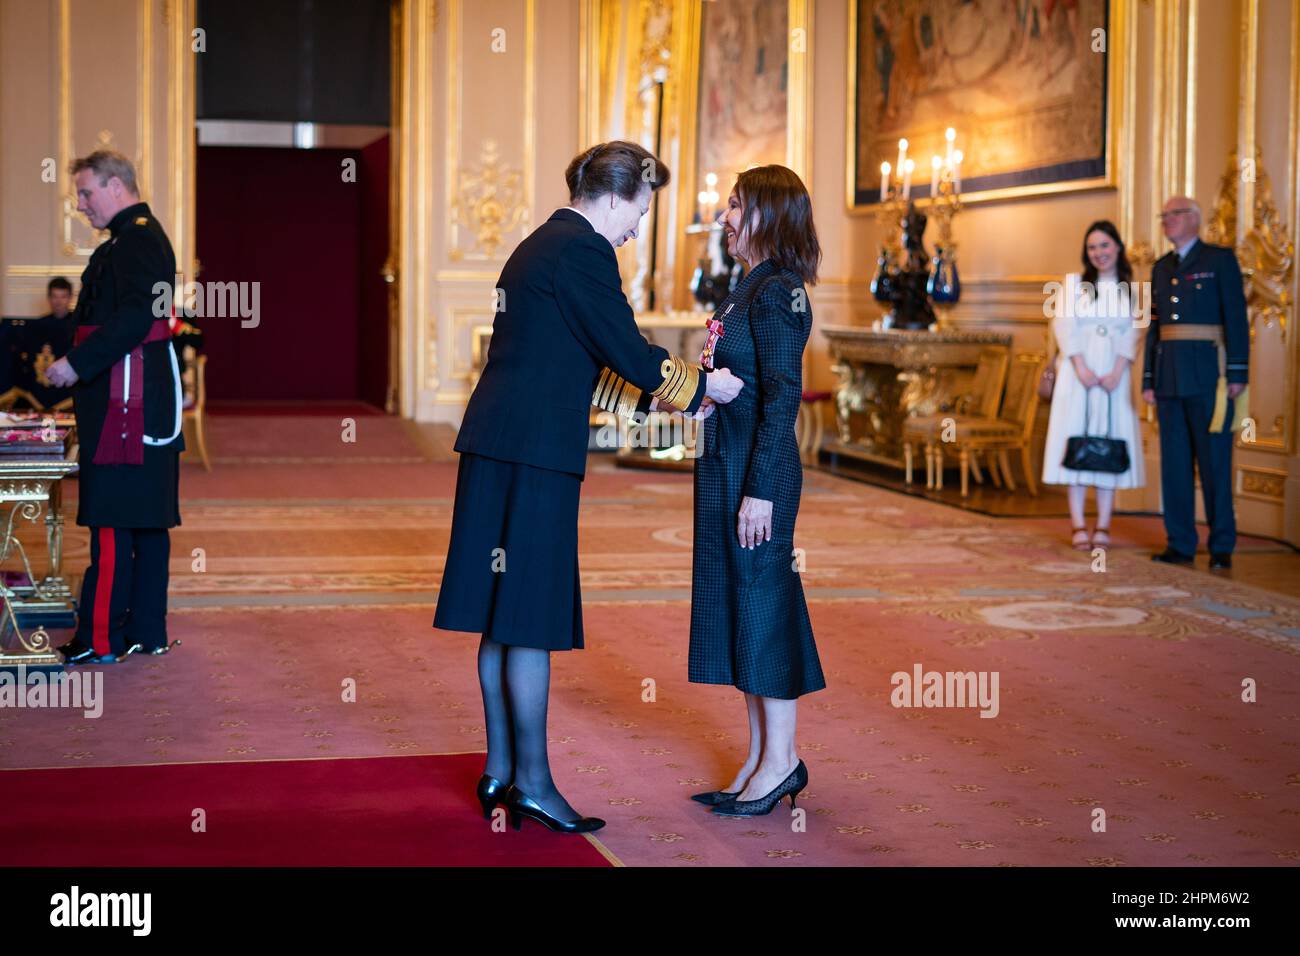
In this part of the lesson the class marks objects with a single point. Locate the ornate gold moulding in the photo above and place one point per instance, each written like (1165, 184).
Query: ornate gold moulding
(887, 375)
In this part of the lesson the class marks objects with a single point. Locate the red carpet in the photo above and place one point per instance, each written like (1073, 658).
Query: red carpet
(1118, 690)
(380, 811)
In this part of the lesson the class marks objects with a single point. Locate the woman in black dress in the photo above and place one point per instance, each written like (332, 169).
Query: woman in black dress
(749, 621)
(563, 331)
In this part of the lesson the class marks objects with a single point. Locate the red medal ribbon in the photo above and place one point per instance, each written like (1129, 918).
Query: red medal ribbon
(121, 441)
(711, 342)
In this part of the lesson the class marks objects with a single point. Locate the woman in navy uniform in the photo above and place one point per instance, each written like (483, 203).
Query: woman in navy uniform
(1197, 364)
(564, 338)
(127, 402)
(749, 621)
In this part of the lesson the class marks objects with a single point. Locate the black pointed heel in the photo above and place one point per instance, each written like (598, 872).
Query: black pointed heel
(791, 786)
(712, 798)
(520, 805)
(491, 791)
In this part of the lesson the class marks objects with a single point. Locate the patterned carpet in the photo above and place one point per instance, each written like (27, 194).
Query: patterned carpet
(1120, 689)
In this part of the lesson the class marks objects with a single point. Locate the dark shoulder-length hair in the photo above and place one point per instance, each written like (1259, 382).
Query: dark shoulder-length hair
(617, 167)
(1123, 270)
(777, 210)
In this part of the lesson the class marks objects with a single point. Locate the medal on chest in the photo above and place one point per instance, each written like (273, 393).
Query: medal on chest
(715, 332)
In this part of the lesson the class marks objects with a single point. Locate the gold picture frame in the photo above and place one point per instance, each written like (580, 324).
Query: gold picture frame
(1115, 101)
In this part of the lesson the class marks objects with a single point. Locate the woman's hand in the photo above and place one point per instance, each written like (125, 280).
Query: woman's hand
(721, 386)
(1087, 378)
(1111, 382)
(754, 523)
(705, 410)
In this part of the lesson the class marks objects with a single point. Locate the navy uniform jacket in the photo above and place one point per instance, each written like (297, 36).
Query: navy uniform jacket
(117, 294)
(1206, 289)
(564, 338)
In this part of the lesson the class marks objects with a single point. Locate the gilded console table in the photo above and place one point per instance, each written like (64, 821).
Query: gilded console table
(28, 486)
(672, 445)
(888, 374)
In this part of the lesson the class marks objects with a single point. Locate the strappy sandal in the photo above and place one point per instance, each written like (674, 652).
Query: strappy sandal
(1080, 544)
(1105, 533)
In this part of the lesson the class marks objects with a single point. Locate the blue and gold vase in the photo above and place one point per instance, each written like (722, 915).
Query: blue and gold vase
(944, 285)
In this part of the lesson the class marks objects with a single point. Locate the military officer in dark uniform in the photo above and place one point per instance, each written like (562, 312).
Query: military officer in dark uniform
(128, 409)
(1197, 350)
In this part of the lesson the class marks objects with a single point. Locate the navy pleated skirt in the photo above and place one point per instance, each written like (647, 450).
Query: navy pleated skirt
(512, 563)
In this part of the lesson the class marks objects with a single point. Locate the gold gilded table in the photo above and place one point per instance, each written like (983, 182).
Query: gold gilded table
(29, 486)
(886, 375)
(667, 441)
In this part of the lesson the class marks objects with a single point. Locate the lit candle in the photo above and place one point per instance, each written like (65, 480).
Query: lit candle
(950, 135)
(884, 181)
(907, 179)
(956, 172)
(902, 155)
(934, 177)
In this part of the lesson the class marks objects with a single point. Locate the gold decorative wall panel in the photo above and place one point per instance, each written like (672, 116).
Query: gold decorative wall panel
(145, 110)
(469, 157)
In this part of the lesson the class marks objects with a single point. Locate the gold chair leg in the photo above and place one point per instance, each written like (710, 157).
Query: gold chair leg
(975, 467)
(993, 470)
(1029, 472)
(938, 467)
(819, 430)
(801, 432)
(965, 472)
(203, 444)
(907, 462)
(929, 466)
(1006, 469)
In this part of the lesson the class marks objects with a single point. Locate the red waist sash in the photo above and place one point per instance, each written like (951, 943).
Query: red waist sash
(121, 442)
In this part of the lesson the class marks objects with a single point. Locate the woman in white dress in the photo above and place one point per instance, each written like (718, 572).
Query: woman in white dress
(1097, 337)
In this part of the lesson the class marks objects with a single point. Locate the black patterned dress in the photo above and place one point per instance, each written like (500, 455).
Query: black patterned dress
(749, 621)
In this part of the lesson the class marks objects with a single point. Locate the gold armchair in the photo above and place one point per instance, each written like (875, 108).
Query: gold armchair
(1010, 430)
(980, 403)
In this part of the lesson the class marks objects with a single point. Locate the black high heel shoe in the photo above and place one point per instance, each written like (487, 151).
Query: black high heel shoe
(491, 791)
(521, 805)
(791, 785)
(712, 798)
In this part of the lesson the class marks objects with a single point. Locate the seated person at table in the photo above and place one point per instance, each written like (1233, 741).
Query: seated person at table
(42, 342)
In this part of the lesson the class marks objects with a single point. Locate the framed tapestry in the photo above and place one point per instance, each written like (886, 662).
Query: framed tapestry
(744, 67)
(1028, 85)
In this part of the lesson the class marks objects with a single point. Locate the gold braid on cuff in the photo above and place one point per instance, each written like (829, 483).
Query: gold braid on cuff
(679, 384)
(615, 394)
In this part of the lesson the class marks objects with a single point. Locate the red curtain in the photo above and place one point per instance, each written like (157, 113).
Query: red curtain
(372, 352)
(288, 220)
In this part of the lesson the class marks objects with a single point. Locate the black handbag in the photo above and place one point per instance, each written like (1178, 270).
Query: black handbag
(1096, 452)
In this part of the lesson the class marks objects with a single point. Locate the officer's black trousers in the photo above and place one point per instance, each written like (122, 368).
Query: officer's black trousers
(1185, 438)
(124, 592)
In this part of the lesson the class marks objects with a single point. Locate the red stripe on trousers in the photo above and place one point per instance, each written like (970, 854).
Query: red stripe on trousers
(104, 591)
